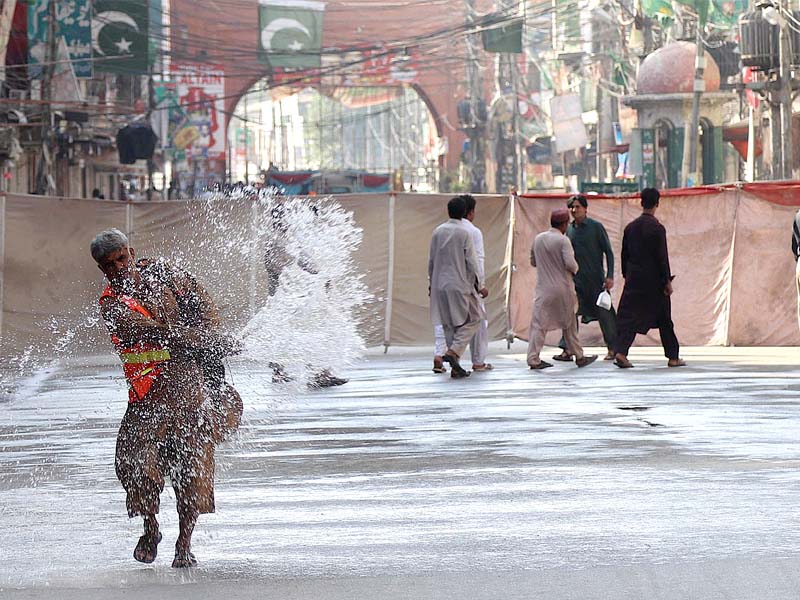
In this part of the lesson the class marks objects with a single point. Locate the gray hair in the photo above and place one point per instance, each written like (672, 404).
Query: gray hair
(105, 242)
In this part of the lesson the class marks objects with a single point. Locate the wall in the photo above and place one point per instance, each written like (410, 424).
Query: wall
(729, 248)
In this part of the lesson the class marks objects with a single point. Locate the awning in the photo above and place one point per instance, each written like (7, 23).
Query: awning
(736, 134)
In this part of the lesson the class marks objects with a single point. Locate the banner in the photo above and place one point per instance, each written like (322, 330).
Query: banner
(290, 32)
(380, 66)
(568, 127)
(120, 36)
(504, 38)
(295, 77)
(195, 107)
(73, 24)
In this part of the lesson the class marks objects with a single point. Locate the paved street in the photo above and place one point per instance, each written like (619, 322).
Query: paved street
(564, 483)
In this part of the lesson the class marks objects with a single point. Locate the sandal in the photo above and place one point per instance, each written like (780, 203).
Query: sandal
(541, 365)
(439, 369)
(147, 548)
(563, 357)
(483, 367)
(623, 363)
(457, 371)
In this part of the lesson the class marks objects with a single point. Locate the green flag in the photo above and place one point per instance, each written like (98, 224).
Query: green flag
(661, 10)
(119, 36)
(724, 14)
(505, 38)
(290, 32)
(699, 6)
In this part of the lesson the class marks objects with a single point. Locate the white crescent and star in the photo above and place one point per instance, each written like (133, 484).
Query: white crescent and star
(124, 46)
(281, 24)
(112, 17)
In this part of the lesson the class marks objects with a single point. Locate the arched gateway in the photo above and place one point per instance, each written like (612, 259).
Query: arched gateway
(416, 49)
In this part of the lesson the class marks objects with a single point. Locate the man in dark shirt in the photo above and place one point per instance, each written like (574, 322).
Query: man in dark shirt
(796, 252)
(645, 301)
(590, 242)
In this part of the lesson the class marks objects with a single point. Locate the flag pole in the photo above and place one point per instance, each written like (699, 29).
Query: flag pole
(150, 102)
(749, 170)
(691, 178)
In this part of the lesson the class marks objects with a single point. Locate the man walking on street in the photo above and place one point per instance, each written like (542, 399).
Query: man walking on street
(645, 301)
(479, 344)
(590, 243)
(555, 301)
(455, 285)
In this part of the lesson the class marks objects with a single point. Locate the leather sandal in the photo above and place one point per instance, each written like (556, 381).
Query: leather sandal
(623, 363)
(457, 371)
(147, 548)
(563, 357)
(541, 365)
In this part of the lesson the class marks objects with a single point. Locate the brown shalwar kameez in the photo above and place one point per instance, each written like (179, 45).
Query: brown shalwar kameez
(173, 430)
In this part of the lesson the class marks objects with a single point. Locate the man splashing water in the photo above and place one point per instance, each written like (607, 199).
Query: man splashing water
(164, 326)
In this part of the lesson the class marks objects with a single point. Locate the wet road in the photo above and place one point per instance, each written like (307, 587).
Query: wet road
(565, 483)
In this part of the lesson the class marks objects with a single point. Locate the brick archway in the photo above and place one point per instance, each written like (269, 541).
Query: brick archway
(230, 39)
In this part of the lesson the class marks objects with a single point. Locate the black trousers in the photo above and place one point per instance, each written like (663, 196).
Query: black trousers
(626, 334)
(608, 325)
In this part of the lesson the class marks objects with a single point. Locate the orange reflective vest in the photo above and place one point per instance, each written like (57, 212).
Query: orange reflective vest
(142, 362)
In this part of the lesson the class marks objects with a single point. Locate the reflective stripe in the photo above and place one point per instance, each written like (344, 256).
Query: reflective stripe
(145, 357)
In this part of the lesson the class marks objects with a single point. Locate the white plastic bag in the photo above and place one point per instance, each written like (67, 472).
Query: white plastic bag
(604, 300)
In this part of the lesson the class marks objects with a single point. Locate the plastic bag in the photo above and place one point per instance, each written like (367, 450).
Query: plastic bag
(604, 300)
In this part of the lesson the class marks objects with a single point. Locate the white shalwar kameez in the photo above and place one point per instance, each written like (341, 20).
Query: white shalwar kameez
(479, 344)
(453, 273)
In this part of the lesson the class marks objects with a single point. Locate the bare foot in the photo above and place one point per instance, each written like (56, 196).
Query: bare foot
(184, 558)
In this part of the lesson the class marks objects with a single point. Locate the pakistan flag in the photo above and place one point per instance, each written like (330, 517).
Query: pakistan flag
(119, 36)
(290, 32)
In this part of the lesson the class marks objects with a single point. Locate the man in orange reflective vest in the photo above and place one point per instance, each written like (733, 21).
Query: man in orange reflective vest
(165, 328)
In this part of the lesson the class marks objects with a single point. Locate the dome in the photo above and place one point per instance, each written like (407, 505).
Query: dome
(670, 70)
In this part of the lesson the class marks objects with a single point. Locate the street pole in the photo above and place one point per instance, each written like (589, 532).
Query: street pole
(519, 143)
(476, 158)
(43, 175)
(749, 171)
(775, 134)
(785, 97)
(151, 96)
(507, 134)
(692, 136)
(247, 141)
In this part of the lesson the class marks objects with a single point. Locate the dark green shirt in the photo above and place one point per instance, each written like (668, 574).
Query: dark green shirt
(590, 242)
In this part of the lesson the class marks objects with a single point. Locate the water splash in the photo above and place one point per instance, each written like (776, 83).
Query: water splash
(311, 321)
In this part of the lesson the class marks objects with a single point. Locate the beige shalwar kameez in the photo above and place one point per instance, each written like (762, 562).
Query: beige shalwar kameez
(555, 302)
(454, 280)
